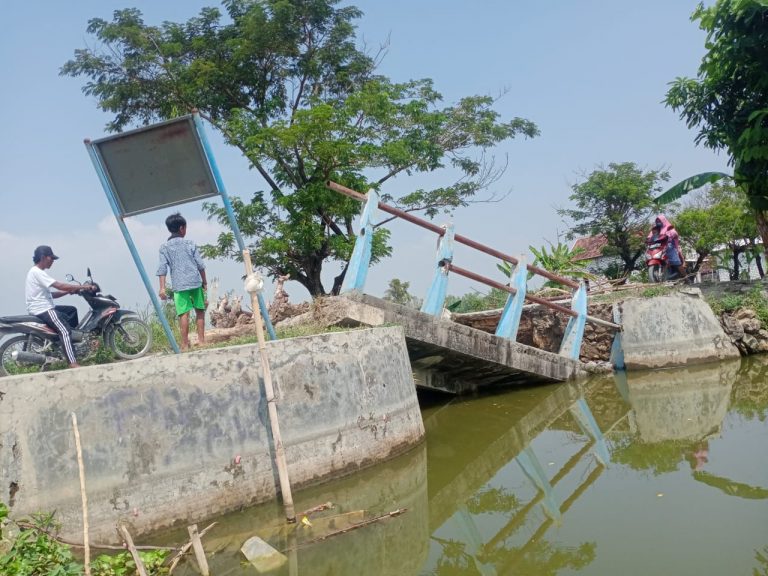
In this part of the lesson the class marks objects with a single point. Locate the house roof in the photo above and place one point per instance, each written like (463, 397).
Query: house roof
(592, 247)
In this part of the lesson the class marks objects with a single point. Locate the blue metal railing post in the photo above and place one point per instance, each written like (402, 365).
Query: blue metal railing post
(532, 468)
(574, 331)
(107, 186)
(230, 212)
(513, 309)
(354, 280)
(617, 347)
(433, 303)
(583, 415)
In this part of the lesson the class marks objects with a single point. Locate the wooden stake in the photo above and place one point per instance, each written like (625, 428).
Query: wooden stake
(282, 466)
(197, 546)
(140, 570)
(83, 496)
(184, 549)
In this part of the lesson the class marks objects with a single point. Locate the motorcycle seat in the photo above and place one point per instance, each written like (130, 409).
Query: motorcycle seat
(20, 319)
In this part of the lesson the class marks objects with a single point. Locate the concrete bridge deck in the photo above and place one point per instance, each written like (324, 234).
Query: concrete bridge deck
(448, 356)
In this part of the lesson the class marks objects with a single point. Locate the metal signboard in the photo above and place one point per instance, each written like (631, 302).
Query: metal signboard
(157, 166)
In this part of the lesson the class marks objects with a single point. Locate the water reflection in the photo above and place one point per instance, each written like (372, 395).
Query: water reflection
(558, 480)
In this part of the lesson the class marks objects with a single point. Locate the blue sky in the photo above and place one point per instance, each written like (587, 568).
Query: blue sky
(591, 74)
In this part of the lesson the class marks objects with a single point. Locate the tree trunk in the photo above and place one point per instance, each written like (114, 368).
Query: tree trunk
(339, 280)
(311, 279)
(759, 264)
(736, 265)
(762, 228)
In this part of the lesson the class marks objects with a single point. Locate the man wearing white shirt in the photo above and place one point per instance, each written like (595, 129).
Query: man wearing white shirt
(40, 300)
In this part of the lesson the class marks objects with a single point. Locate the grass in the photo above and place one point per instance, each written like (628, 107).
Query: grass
(754, 299)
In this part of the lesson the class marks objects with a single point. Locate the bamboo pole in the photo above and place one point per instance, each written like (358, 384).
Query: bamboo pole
(83, 495)
(282, 466)
(140, 569)
(197, 546)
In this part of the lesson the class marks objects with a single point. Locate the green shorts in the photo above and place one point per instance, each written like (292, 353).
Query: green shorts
(188, 299)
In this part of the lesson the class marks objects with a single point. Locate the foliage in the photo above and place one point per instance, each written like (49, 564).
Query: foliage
(285, 83)
(123, 564)
(719, 218)
(476, 301)
(688, 185)
(398, 292)
(658, 457)
(728, 99)
(615, 202)
(755, 300)
(654, 291)
(35, 552)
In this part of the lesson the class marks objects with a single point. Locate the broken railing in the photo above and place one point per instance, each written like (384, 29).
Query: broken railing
(435, 299)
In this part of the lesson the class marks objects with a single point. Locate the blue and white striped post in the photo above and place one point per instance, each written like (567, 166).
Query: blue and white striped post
(513, 309)
(354, 280)
(574, 331)
(230, 213)
(107, 186)
(433, 303)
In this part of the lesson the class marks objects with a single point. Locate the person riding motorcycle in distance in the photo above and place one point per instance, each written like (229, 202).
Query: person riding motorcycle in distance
(664, 230)
(40, 300)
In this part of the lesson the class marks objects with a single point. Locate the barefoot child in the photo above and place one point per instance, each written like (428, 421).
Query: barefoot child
(181, 258)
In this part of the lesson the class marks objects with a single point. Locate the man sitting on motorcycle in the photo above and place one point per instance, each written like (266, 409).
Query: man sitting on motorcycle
(664, 230)
(40, 300)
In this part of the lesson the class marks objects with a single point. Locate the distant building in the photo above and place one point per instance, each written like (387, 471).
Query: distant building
(592, 256)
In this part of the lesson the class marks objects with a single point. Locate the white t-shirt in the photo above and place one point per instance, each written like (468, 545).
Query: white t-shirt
(38, 291)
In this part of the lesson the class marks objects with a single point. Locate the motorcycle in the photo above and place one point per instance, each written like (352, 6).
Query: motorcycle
(35, 343)
(656, 258)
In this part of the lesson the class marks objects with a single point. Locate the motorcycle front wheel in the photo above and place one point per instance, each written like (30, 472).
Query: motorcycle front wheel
(21, 343)
(130, 338)
(656, 273)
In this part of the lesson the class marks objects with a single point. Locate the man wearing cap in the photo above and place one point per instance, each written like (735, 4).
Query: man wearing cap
(40, 300)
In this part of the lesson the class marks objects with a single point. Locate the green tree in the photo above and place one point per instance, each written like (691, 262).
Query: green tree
(616, 202)
(728, 99)
(719, 218)
(285, 83)
(398, 292)
(560, 260)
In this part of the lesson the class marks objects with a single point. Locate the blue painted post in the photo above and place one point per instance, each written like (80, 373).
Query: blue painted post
(530, 464)
(513, 309)
(617, 348)
(586, 420)
(354, 280)
(107, 186)
(230, 213)
(433, 303)
(574, 331)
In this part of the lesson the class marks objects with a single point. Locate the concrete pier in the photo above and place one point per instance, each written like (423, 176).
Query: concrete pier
(180, 438)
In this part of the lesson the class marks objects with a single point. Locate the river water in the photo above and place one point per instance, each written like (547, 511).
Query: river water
(657, 473)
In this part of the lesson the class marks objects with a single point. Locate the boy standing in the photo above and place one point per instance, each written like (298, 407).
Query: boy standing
(189, 285)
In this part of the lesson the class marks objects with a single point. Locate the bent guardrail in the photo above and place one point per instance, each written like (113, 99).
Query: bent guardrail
(433, 303)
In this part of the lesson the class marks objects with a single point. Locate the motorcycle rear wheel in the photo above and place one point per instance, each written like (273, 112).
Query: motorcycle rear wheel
(22, 343)
(130, 338)
(656, 273)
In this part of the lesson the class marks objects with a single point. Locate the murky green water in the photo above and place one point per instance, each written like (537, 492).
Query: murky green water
(650, 474)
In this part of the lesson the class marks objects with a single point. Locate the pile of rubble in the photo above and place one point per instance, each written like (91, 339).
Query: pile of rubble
(744, 328)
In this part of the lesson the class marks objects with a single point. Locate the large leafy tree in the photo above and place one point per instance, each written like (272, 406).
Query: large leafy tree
(616, 202)
(719, 220)
(728, 100)
(285, 83)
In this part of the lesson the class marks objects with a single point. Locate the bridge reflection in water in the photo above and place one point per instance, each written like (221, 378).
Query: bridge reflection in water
(545, 480)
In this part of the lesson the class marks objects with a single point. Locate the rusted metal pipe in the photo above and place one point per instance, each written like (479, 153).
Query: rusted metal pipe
(458, 237)
(528, 297)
